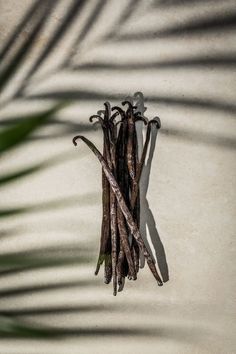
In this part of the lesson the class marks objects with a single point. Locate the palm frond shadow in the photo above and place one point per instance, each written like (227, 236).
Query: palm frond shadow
(57, 36)
(169, 3)
(23, 329)
(191, 28)
(18, 174)
(49, 205)
(19, 28)
(191, 334)
(37, 16)
(211, 104)
(18, 291)
(224, 61)
(91, 21)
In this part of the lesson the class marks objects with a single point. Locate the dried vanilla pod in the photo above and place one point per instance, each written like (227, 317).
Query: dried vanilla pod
(121, 241)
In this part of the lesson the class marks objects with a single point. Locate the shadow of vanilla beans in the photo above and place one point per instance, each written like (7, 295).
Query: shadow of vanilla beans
(121, 244)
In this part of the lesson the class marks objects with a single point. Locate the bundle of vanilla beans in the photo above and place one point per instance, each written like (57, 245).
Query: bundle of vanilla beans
(121, 243)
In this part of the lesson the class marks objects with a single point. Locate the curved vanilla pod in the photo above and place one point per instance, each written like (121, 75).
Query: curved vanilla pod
(109, 139)
(113, 203)
(121, 201)
(125, 249)
(120, 218)
(108, 199)
(105, 228)
(122, 174)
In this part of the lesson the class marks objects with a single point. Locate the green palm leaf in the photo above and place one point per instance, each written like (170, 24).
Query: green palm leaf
(17, 134)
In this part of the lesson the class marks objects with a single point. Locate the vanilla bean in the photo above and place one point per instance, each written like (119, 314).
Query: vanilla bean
(113, 211)
(119, 267)
(125, 210)
(130, 160)
(121, 223)
(125, 250)
(110, 153)
(126, 253)
(139, 168)
(136, 209)
(107, 269)
(135, 205)
(105, 229)
(121, 243)
(130, 140)
(125, 244)
(110, 221)
(113, 207)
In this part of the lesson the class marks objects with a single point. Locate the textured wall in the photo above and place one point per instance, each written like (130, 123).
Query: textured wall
(181, 55)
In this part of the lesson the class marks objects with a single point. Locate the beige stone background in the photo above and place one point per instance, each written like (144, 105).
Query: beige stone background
(181, 55)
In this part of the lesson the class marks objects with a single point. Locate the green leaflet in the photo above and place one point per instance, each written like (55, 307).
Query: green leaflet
(15, 135)
(84, 199)
(27, 171)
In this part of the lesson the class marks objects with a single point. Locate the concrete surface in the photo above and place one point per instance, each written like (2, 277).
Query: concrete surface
(188, 79)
